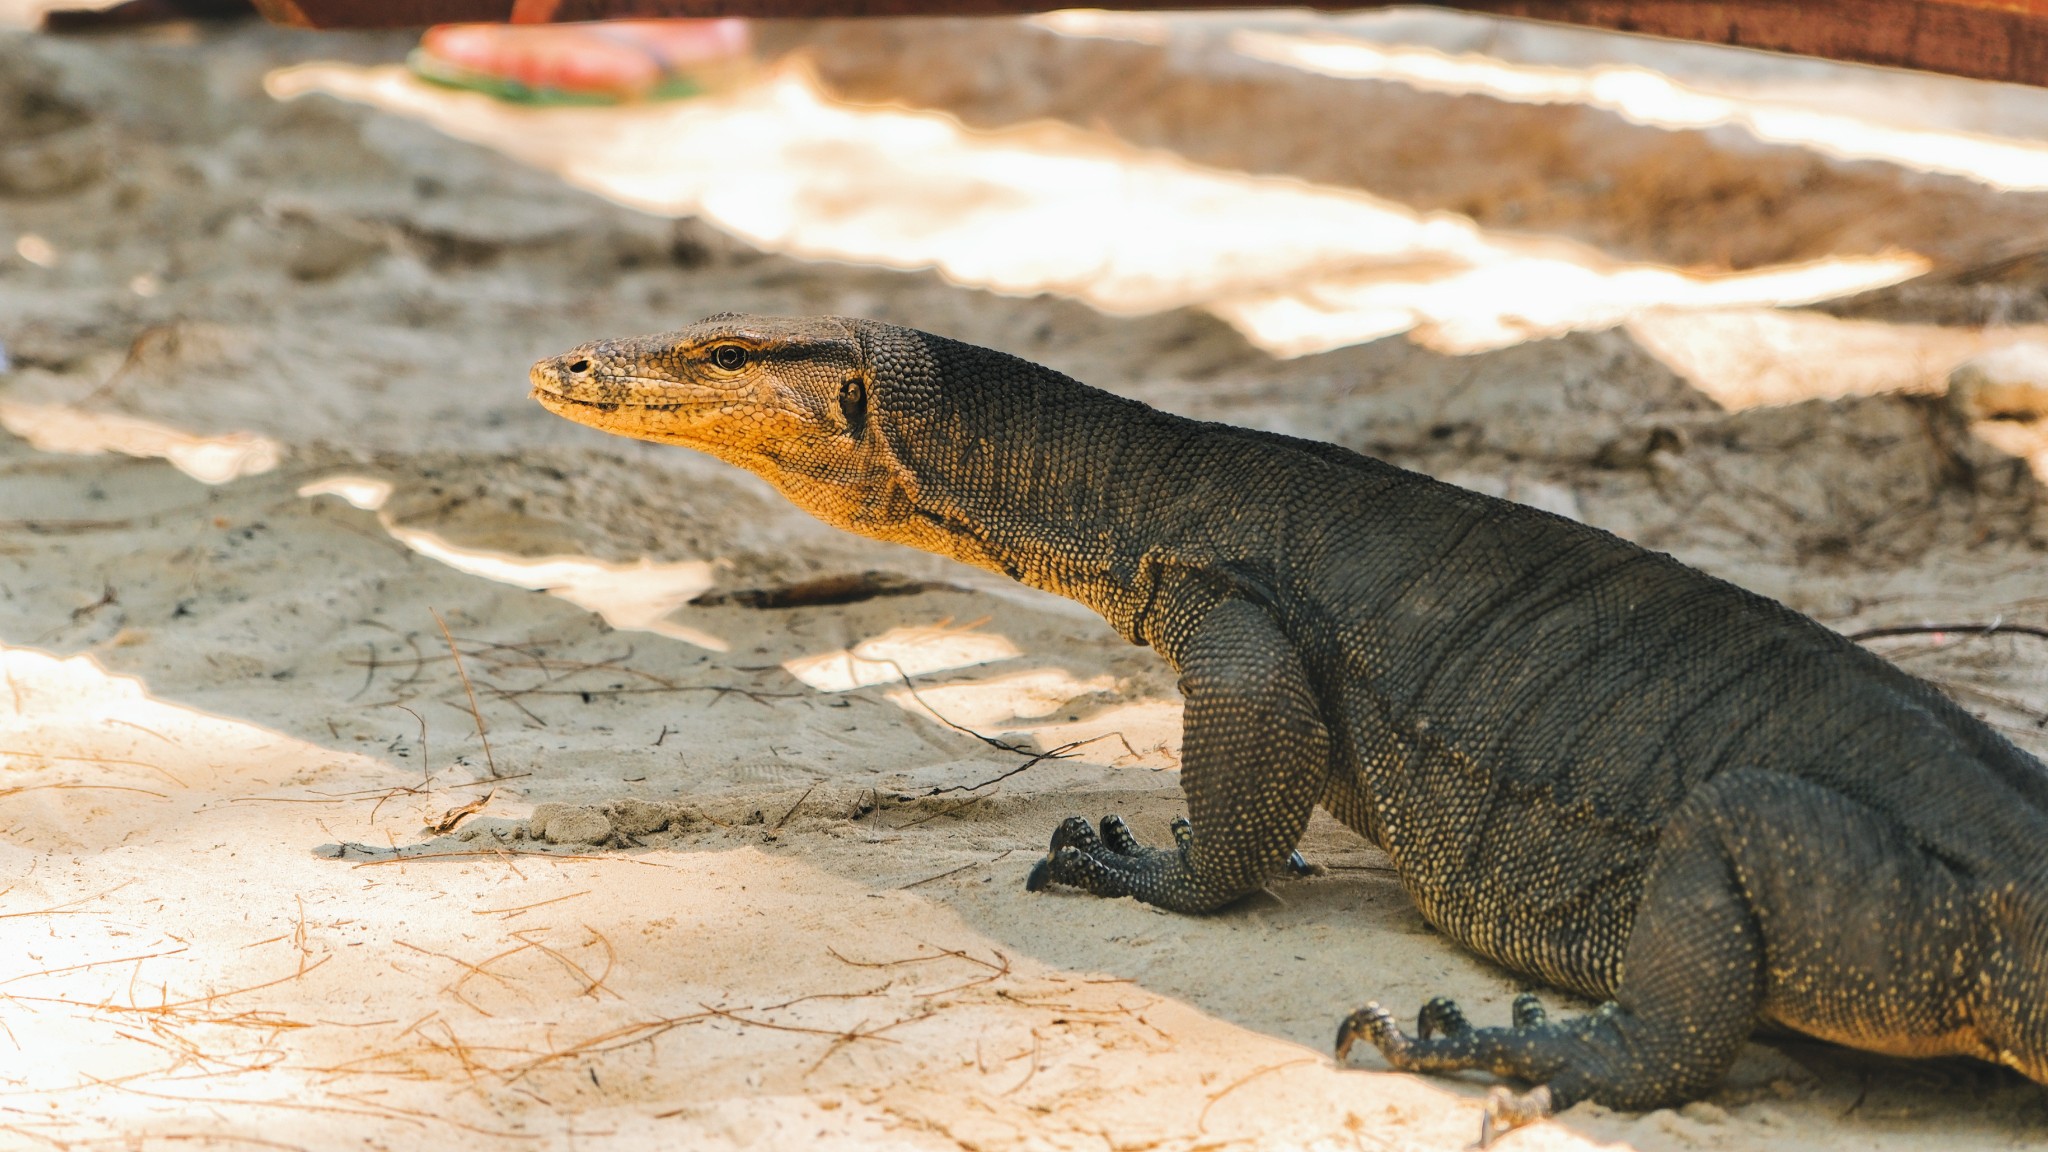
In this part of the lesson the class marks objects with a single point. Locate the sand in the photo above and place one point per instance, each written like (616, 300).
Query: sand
(720, 878)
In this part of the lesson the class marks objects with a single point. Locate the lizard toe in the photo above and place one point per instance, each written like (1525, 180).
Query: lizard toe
(1371, 1023)
(1074, 832)
(1440, 1016)
(1119, 838)
(1094, 869)
(1528, 1012)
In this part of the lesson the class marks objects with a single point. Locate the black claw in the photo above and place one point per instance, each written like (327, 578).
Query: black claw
(1057, 867)
(1041, 875)
(1299, 865)
(1528, 1012)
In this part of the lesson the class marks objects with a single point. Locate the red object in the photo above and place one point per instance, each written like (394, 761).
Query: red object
(619, 60)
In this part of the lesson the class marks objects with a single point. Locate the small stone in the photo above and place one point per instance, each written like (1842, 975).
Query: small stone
(569, 824)
(2008, 383)
(1704, 1112)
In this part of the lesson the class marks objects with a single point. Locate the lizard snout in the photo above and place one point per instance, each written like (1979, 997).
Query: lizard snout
(563, 385)
(564, 376)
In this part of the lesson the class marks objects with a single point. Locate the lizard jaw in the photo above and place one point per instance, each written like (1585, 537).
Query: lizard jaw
(550, 400)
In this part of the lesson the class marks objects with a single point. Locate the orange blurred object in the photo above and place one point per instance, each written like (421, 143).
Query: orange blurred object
(595, 63)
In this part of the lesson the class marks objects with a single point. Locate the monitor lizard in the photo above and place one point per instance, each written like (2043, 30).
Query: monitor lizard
(1588, 762)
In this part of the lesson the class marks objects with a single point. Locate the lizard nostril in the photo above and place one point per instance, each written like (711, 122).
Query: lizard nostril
(578, 367)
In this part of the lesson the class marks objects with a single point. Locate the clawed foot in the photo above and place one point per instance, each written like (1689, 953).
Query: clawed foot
(1444, 1041)
(1108, 863)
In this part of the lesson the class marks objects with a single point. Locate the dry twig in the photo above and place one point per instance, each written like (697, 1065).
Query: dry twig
(467, 687)
(447, 821)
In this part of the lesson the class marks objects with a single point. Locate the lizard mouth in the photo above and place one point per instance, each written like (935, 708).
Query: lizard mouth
(547, 397)
(552, 391)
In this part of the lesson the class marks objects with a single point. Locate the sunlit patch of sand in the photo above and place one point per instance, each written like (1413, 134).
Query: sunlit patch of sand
(1498, 302)
(207, 459)
(998, 702)
(898, 653)
(1297, 267)
(1053, 709)
(89, 759)
(1754, 357)
(364, 492)
(638, 597)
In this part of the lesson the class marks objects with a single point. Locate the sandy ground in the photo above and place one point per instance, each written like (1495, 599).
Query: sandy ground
(721, 878)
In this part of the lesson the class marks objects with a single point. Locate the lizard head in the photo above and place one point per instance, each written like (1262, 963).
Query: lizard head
(789, 399)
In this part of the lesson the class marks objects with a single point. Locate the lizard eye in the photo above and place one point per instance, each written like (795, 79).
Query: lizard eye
(730, 357)
(578, 367)
(853, 405)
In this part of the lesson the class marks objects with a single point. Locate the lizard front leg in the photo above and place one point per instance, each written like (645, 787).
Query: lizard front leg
(1254, 755)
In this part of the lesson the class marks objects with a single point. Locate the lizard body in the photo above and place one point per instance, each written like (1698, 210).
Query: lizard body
(1588, 762)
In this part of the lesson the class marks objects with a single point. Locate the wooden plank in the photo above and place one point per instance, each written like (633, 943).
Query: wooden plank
(1982, 39)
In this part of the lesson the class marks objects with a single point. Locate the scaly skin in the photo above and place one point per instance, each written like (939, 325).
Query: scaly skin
(1588, 762)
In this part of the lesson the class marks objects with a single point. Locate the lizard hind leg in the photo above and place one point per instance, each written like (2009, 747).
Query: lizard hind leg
(1692, 987)
(1751, 863)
